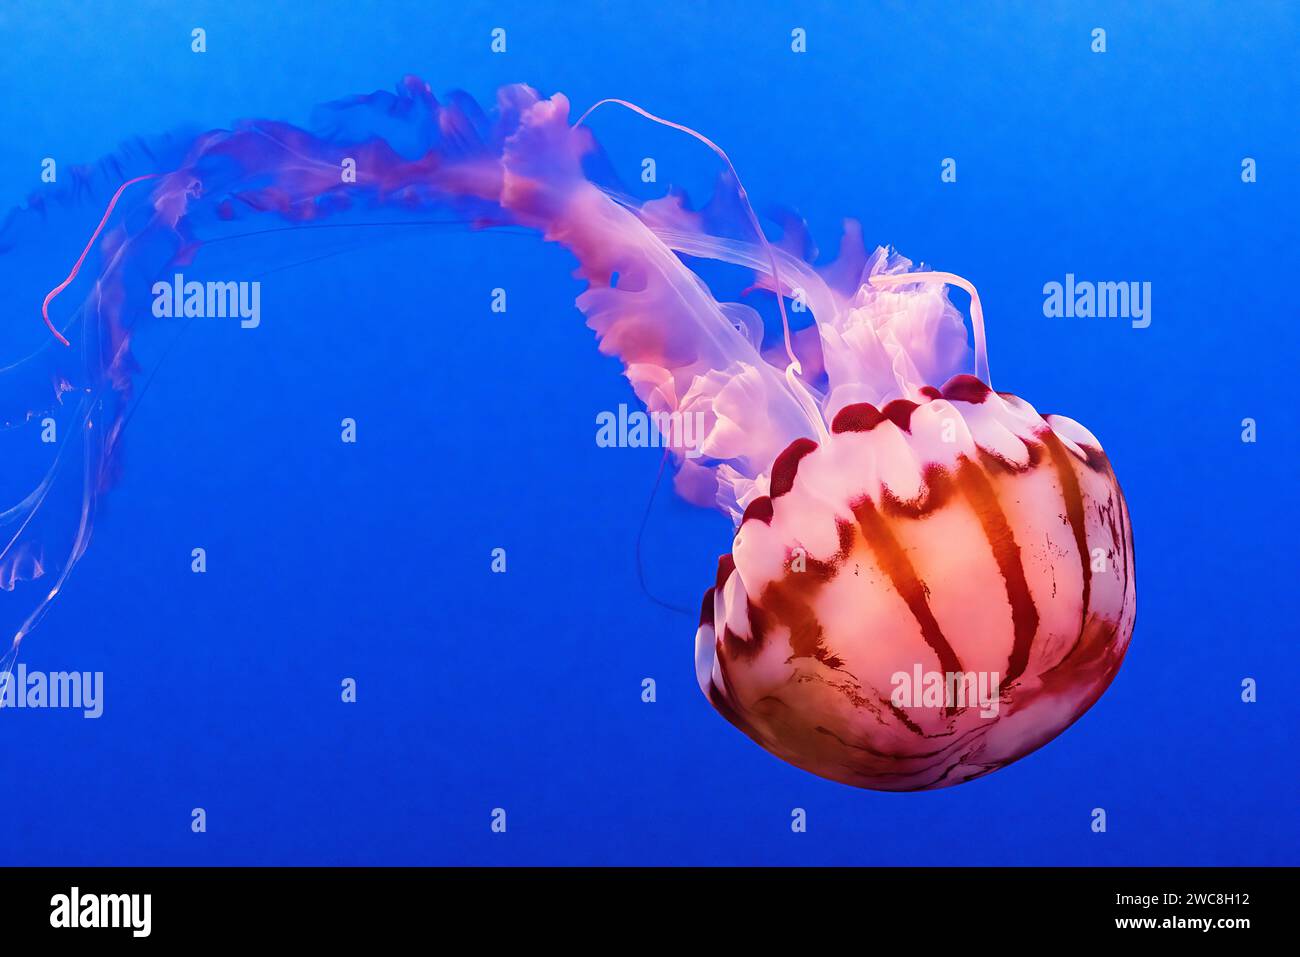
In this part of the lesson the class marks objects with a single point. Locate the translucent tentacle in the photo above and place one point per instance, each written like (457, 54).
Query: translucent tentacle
(794, 369)
(976, 310)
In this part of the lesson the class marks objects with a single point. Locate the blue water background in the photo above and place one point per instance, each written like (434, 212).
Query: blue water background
(523, 691)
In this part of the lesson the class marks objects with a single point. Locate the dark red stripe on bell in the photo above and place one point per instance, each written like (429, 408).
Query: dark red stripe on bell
(787, 464)
(996, 465)
(782, 603)
(736, 647)
(899, 568)
(816, 572)
(858, 417)
(936, 490)
(726, 565)
(759, 622)
(900, 413)
(901, 715)
(706, 609)
(760, 510)
(965, 388)
(983, 500)
(1097, 461)
(1127, 538)
(744, 647)
(1073, 512)
(930, 392)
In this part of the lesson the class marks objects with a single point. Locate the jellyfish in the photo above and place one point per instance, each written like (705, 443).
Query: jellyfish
(927, 579)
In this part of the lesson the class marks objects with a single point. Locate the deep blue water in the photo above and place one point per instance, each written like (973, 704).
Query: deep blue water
(522, 691)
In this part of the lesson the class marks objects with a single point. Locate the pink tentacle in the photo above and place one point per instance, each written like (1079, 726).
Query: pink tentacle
(49, 297)
(795, 368)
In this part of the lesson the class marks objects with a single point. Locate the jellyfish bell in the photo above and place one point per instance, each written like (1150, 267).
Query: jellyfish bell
(962, 537)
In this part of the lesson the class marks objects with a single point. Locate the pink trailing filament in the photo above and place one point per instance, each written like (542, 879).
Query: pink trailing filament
(740, 188)
(976, 310)
(49, 297)
(795, 368)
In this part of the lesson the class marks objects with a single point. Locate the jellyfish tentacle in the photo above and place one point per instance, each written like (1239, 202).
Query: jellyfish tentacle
(640, 536)
(891, 280)
(112, 203)
(794, 370)
(517, 168)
